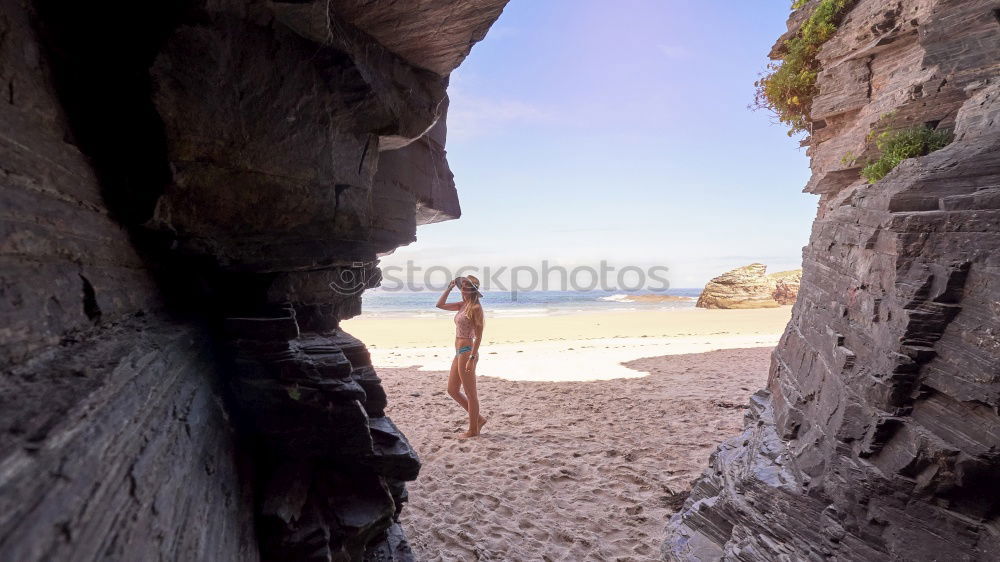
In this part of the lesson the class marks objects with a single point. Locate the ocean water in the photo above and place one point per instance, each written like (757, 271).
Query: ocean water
(377, 302)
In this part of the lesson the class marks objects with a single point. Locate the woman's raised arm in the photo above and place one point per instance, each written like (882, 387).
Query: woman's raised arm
(444, 297)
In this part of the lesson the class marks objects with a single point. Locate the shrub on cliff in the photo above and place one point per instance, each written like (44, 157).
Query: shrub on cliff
(896, 146)
(788, 87)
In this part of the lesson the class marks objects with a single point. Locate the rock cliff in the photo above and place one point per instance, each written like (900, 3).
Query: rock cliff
(751, 287)
(194, 194)
(878, 436)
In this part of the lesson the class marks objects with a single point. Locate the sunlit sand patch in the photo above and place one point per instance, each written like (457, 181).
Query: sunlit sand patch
(566, 360)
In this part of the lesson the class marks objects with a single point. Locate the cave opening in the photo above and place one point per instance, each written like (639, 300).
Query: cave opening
(197, 199)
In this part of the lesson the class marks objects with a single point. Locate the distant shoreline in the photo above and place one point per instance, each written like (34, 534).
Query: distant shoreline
(529, 303)
(654, 298)
(514, 312)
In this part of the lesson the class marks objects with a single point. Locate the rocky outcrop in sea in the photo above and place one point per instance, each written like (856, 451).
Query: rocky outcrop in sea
(751, 287)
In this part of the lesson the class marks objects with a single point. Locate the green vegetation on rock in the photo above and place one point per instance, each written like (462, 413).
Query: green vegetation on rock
(896, 146)
(788, 87)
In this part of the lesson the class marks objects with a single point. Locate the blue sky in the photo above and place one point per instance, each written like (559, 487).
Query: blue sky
(588, 130)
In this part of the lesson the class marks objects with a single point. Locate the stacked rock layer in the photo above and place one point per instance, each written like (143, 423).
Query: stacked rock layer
(878, 436)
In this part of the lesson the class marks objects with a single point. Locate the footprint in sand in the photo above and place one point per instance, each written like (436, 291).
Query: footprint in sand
(490, 502)
(562, 474)
(504, 511)
(642, 550)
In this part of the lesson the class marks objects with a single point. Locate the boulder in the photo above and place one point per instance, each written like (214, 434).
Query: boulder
(750, 287)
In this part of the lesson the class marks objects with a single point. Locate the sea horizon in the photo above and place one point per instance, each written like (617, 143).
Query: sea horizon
(421, 304)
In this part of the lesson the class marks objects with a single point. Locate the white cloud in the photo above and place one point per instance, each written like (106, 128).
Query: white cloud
(675, 52)
(471, 115)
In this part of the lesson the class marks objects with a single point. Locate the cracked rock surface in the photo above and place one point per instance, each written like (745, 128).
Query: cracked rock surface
(878, 435)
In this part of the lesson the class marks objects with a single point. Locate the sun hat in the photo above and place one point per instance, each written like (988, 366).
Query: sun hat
(475, 282)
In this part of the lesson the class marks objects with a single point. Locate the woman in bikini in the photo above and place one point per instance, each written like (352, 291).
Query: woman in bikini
(469, 322)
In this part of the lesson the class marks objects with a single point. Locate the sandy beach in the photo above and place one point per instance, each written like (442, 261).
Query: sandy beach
(598, 423)
(569, 347)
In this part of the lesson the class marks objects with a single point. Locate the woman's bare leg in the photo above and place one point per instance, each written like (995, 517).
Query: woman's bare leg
(455, 386)
(468, 376)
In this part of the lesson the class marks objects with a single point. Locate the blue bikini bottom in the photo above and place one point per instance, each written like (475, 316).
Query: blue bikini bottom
(463, 349)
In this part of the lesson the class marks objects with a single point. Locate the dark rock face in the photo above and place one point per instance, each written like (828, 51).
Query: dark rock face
(332, 465)
(427, 33)
(878, 435)
(191, 204)
(119, 447)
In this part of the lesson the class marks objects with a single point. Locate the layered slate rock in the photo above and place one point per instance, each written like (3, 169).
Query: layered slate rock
(122, 446)
(877, 437)
(192, 202)
(751, 287)
(115, 443)
(332, 465)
